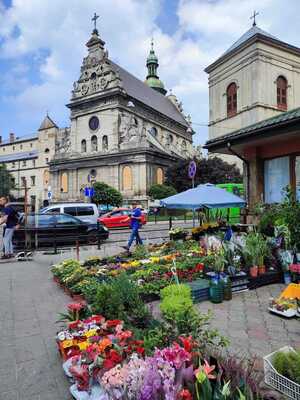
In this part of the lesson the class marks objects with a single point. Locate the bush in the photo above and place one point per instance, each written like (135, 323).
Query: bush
(119, 299)
(288, 365)
(183, 291)
(161, 191)
(105, 194)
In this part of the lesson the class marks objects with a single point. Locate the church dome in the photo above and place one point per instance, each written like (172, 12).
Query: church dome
(152, 79)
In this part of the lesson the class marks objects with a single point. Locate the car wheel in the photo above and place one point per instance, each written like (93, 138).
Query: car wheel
(92, 237)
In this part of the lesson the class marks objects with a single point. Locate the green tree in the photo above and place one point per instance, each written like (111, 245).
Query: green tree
(158, 191)
(105, 194)
(209, 170)
(6, 183)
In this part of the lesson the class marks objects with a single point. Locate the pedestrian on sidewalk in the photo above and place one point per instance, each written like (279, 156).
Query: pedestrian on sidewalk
(135, 224)
(11, 221)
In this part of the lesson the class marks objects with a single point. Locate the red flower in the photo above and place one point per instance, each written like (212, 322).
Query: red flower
(199, 267)
(140, 350)
(76, 306)
(74, 325)
(113, 322)
(112, 359)
(96, 319)
(187, 343)
(185, 394)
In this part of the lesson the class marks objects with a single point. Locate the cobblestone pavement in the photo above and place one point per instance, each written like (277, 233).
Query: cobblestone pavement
(252, 330)
(30, 368)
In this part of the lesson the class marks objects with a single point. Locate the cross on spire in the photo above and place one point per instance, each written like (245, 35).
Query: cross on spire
(94, 19)
(255, 14)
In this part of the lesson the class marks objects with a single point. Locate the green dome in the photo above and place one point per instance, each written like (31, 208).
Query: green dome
(156, 84)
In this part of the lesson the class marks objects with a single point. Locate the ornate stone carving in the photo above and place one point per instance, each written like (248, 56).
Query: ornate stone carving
(63, 142)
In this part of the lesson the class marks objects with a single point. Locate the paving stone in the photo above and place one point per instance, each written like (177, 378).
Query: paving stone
(11, 395)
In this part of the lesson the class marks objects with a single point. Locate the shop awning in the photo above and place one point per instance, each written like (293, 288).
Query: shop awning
(206, 195)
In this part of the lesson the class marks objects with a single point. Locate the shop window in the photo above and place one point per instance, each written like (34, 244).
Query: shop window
(276, 178)
(282, 93)
(64, 183)
(94, 143)
(159, 176)
(83, 146)
(105, 143)
(231, 95)
(127, 178)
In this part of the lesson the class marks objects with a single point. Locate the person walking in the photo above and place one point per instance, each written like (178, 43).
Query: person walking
(135, 223)
(10, 219)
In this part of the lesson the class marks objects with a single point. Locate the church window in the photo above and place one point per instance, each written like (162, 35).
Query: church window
(105, 143)
(64, 184)
(94, 123)
(159, 176)
(83, 146)
(93, 76)
(127, 178)
(47, 150)
(282, 93)
(94, 143)
(231, 94)
(46, 178)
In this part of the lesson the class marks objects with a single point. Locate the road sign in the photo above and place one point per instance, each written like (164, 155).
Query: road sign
(49, 195)
(192, 169)
(89, 192)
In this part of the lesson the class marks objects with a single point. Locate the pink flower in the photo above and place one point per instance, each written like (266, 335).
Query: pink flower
(175, 355)
(76, 306)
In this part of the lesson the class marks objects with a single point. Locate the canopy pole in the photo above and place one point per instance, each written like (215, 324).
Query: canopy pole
(193, 218)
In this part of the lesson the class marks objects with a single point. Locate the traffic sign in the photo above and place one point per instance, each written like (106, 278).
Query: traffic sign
(49, 195)
(89, 191)
(192, 169)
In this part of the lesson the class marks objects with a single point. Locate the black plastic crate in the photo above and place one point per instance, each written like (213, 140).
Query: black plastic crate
(200, 290)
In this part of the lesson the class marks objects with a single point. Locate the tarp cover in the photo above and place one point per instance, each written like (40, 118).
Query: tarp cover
(206, 195)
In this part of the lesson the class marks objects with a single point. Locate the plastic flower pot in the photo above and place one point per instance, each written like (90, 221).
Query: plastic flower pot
(261, 269)
(254, 271)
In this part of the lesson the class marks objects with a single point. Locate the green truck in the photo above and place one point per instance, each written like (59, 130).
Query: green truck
(234, 213)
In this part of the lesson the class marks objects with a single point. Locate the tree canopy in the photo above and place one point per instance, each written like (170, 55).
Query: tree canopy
(6, 183)
(105, 194)
(209, 170)
(158, 191)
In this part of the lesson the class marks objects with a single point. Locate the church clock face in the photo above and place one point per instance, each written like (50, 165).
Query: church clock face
(94, 123)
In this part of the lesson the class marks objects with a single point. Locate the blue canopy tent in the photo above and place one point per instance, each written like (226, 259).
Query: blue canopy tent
(203, 196)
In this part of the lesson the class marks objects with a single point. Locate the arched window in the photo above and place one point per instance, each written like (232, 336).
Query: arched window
(231, 94)
(105, 143)
(281, 93)
(159, 176)
(94, 143)
(64, 183)
(46, 177)
(127, 178)
(83, 146)
(170, 139)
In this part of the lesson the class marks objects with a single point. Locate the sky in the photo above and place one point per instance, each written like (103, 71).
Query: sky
(42, 44)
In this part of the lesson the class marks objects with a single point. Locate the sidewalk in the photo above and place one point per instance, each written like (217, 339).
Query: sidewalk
(30, 367)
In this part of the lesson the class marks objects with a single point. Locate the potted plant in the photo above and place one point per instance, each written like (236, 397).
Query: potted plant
(251, 253)
(263, 251)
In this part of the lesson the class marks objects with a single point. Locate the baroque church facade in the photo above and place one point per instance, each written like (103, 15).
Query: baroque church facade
(123, 132)
(255, 79)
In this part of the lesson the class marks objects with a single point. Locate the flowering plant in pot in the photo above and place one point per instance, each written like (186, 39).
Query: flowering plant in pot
(251, 253)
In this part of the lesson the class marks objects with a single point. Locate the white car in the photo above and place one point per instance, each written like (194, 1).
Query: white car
(86, 212)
